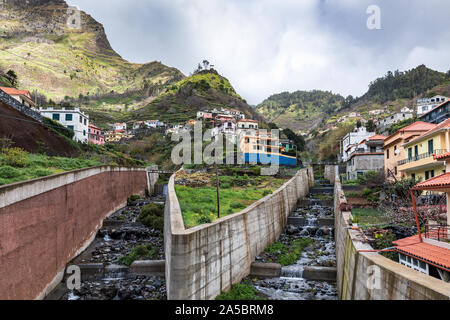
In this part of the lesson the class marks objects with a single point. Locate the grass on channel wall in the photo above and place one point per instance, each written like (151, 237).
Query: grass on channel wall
(199, 205)
(17, 165)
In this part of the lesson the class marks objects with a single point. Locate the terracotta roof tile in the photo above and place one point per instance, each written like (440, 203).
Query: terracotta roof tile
(440, 181)
(419, 126)
(14, 91)
(377, 137)
(425, 251)
(442, 125)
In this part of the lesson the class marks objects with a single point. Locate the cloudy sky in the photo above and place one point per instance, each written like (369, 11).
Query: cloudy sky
(270, 46)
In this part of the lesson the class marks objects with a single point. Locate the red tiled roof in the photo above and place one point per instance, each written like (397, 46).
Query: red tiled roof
(440, 181)
(430, 253)
(445, 124)
(419, 126)
(377, 137)
(247, 120)
(444, 156)
(15, 92)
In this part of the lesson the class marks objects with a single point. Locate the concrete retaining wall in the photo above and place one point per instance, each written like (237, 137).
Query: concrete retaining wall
(45, 223)
(370, 276)
(204, 261)
(330, 173)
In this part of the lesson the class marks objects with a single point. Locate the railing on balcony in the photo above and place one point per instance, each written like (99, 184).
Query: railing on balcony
(437, 232)
(364, 151)
(422, 156)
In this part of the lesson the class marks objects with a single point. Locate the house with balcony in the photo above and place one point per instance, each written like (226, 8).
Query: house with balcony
(96, 135)
(419, 162)
(351, 140)
(71, 118)
(394, 150)
(366, 156)
(429, 251)
(427, 104)
(438, 114)
(263, 148)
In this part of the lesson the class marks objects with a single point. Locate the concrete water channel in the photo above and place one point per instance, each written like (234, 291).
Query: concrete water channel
(313, 276)
(103, 277)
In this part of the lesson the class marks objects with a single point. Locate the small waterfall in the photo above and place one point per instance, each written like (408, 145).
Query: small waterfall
(292, 272)
(73, 296)
(115, 273)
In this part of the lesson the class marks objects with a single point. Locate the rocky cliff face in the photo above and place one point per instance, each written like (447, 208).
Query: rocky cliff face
(60, 51)
(40, 18)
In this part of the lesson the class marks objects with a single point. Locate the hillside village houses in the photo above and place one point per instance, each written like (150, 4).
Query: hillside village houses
(119, 126)
(351, 140)
(384, 124)
(71, 118)
(426, 104)
(366, 156)
(96, 135)
(394, 150)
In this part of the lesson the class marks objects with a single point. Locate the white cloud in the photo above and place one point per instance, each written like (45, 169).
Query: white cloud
(268, 46)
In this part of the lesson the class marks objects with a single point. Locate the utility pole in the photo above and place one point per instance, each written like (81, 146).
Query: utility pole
(218, 189)
(217, 179)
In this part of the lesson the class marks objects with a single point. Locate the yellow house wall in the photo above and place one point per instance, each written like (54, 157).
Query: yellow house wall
(420, 174)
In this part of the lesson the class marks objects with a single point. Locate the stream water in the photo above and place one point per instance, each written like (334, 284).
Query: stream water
(291, 285)
(120, 234)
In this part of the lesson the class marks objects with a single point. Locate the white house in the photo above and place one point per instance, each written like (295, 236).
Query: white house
(383, 124)
(120, 126)
(376, 112)
(406, 110)
(351, 140)
(247, 124)
(71, 118)
(426, 104)
(154, 123)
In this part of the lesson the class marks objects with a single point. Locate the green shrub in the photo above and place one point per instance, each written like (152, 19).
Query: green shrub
(237, 205)
(132, 199)
(204, 220)
(240, 291)
(38, 173)
(153, 209)
(366, 192)
(142, 251)
(15, 157)
(8, 172)
(267, 192)
(152, 216)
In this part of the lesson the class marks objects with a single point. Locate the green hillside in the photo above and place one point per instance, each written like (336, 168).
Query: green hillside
(301, 110)
(404, 85)
(57, 61)
(203, 90)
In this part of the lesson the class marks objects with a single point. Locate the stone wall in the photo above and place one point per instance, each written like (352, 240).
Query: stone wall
(369, 275)
(45, 223)
(7, 99)
(330, 173)
(204, 261)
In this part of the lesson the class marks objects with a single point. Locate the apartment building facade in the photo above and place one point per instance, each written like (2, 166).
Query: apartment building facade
(394, 150)
(419, 162)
